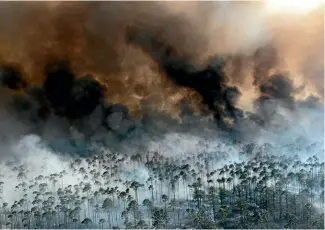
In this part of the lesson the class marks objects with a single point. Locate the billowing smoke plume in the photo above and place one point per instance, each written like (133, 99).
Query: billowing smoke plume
(96, 71)
(210, 83)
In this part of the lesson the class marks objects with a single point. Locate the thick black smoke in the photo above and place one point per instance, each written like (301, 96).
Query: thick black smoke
(80, 101)
(11, 77)
(58, 84)
(211, 82)
(277, 92)
(70, 97)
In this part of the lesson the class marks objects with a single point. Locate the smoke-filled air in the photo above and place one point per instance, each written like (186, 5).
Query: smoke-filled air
(162, 115)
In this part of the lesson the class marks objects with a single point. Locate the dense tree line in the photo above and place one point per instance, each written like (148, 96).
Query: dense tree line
(264, 190)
